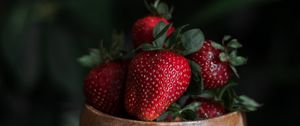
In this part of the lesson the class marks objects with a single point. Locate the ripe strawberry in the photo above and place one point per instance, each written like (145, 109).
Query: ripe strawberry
(142, 30)
(208, 108)
(214, 72)
(155, 80)
(103, 87)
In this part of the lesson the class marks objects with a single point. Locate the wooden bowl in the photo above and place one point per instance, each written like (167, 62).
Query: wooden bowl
(92, 117)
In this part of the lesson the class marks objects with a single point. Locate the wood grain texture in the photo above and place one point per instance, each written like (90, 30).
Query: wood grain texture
(92, 117)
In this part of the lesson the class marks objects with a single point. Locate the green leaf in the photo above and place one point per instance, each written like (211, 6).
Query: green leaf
(225, 88)
(158, 29)
(195, 67)
(233, 54)
(160, 34)
(117, 44)
(192, 41)
(143, 46)
(164, 11)
(248, 103)
(229, 99)
(129, 54)
(148, 47)
(99, 56)
(226, 38)
(234, 71)
(171, 11)
(223, 57)
(174, 108)
(217, 46)
(159, 9)
(162, 8)
(192, 106)
(90, 60)
(152, 49)
(234, 44)
(189, 115)
(208, 94)
(150, 7)
(182, 100)
(156, 3)
(163, 116)
(196, 85)
(238, 61)
(175, 36)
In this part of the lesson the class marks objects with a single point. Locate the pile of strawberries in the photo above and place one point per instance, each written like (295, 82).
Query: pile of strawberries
(172, 74)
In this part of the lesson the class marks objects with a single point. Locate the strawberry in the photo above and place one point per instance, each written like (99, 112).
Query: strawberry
(142, 30)
(155, 80)
(103, 87)
(207, 108)
(214, 72)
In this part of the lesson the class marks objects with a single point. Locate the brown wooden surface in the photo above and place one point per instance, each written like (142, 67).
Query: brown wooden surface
(92, 117)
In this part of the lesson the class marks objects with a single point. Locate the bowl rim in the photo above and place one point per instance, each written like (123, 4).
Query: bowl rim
(99, 113)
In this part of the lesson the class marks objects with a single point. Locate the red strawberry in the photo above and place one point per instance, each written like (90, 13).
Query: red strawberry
(208, 108)
(142, 30)
(103, 87)
(155, 80)
(214, 72)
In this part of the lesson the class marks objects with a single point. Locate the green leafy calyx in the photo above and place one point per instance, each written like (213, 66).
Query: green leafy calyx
(102, 54)
(159, 8)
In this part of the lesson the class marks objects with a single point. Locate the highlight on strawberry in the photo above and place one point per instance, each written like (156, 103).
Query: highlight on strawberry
(170, 75)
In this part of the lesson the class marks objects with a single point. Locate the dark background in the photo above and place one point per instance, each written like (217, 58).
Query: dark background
(40, 40)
